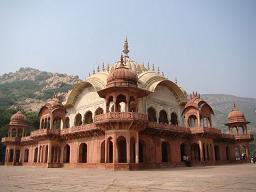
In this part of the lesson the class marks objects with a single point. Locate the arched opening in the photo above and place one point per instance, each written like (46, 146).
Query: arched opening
(240, 130)
(78, 119)
(121, 149)
(17, 156)
(11, 155)
(217, 152)
(42, 124)
(102, 152)
(195, 152)
(14, 132)
(66, 154)
(110, 104)
(163, 117)
(26, 154)
(132, 150)
(45, 124)
(165, 151)
(56, 123)
(66, 124)
(19, 132)
(183, 152)
(110, 150)
(227, 153)
(204, 154)
(35, 154)
(192, 121)
(83, 153)
(48, 123)
(141, 151)
(174, 119)
(88, 117)
(98, 111)
(152, 114)
(121, 103)
(132, 105)
(243, 152)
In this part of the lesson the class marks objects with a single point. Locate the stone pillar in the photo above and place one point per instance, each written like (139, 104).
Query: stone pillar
(137, 148)
(213, 153)
(106, 150)
(201, 151)
(51, 122)
(61, 154)
(49, 158)
(115, 152)
(128, 148)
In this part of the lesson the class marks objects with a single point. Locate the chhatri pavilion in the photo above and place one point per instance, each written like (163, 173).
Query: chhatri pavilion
(127, 116)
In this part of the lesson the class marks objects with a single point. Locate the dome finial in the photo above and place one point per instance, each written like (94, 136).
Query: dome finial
(122, 61)
(126, 50)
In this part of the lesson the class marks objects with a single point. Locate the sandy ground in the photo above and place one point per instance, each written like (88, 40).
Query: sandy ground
(235, 178)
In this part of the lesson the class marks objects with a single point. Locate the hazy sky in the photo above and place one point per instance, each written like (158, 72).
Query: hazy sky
(210, 46)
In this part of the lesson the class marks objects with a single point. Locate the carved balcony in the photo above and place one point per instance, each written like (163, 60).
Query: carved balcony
(121, 120)
(26, 139)
(76, 130)
(10, 139)
(208, 130)
(168, 127)
(45, 133)
(120, 116)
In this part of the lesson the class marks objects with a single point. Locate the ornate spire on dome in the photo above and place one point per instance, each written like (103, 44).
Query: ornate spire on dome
(126, 50)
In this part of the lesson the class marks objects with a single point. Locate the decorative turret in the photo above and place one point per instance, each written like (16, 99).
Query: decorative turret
(237, 123)
(17, 125)
(197, 112)
(52, 114)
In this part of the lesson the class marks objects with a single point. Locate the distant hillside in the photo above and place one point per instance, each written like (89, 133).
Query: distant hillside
(30, 88)
(222, 105)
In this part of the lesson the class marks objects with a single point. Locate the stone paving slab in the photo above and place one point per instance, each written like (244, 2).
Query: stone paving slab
(225, 178)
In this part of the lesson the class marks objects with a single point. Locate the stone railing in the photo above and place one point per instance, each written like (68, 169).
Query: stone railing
(169, 127)
(227, 136)
(26, 139)
(45, 132)
(120, 116)
(195, 130)
(10, 139)
(244, 136)
(77, 129)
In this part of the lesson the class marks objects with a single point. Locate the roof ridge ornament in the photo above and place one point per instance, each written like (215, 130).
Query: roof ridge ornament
(126, 50)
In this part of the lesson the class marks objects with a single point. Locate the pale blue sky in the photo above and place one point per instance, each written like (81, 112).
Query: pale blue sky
(210, 46)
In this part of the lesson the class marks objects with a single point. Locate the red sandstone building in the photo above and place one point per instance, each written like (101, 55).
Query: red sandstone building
(126, 116)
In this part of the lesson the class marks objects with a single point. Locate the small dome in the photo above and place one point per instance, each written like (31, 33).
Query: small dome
(18, 119)
(122, 74)
(54, 102)
(236, 116)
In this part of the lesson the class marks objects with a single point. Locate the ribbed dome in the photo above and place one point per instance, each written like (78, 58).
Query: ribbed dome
(236, 116)
(18, 119)
(122, 75)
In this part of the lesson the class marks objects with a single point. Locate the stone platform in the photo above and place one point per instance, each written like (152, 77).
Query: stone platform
(230, 178)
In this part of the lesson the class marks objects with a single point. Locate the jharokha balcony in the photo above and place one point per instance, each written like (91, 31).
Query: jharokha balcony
(120, 116)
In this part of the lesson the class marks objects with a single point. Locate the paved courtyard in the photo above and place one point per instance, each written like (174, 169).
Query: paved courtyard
(213, 178)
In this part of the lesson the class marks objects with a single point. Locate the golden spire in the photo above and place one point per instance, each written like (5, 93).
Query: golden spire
(126, 50)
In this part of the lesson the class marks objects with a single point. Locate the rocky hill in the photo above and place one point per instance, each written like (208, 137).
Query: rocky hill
(222, 105)
(30, 88)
